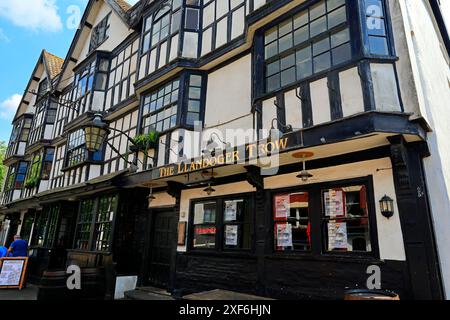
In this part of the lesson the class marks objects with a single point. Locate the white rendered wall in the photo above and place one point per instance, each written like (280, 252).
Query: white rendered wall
(431, 79)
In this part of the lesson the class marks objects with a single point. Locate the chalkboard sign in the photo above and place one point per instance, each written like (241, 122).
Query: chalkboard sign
(12, 274)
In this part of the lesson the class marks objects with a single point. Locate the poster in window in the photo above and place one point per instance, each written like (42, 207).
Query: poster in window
(282, 206)
(284, 235)
(231, 235)
(334, 203)
(337, 236)
(230, 211)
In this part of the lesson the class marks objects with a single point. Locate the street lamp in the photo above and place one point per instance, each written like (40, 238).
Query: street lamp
(96, 132)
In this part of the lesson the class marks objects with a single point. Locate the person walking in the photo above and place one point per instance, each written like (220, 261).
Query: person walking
(19, 247)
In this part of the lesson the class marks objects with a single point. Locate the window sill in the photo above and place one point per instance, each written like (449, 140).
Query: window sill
(300, 256)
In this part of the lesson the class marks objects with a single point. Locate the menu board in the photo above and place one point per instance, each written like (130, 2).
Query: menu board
(334, 203)
(12, 272)
(337, 236)
(282, 206)
(284, 235)
(231, 235)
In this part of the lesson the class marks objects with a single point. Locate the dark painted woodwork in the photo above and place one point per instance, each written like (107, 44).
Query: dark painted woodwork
(163, 233)
(416, 221)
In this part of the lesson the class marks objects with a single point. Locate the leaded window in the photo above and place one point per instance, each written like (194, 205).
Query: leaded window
(160, 38)
(77, 152)
(375, 18)
(310, 42)
(100, 33)
(94, 230)
(47, 226)
(84, 224)
(160, 108)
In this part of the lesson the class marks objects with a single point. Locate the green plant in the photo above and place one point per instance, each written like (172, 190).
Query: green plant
(146, 141)
(32, 182)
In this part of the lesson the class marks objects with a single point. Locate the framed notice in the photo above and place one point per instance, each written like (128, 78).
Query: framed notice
(337, 236)
(231, 235)
(334, 203)
(12, 273)
(284, 235)
(282, 207)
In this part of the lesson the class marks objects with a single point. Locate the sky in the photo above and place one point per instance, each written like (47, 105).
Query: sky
(27, 27)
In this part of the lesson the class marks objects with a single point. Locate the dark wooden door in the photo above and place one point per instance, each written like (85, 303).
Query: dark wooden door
(161, 247)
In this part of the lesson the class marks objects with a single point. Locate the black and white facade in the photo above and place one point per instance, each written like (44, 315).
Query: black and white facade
(242, 95)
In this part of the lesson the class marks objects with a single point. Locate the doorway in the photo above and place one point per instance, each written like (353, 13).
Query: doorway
(161, 247)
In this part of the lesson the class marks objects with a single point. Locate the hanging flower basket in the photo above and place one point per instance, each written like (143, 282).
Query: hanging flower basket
(145, 142)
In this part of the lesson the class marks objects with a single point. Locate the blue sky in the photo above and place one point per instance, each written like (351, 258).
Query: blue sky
(27, 27)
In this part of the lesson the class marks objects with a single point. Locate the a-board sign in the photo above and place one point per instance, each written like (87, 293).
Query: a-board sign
(12, 272)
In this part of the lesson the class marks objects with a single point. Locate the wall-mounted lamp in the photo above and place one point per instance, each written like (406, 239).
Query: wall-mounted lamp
(387, 207)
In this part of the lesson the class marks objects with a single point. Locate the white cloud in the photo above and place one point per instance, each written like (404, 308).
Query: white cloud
(9, 107)
(37, 15)
(3, 36)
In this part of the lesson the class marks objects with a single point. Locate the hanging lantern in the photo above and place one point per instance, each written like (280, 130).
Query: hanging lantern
(210, 190)
(387, 207)
(95, 133)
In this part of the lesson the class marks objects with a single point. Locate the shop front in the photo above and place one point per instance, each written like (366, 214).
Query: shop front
(331, 218)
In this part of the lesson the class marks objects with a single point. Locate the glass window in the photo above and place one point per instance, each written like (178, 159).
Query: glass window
(47, 226)
(77, 152)
(160, 108)
(99, 33)
(236, 224)
(229, 219)
(107, 207)
(84, 224)
(95, 221)
(345, 220)
(205, 225)
(312, 41)
(376, 27)
(160, 35)
(292, 225)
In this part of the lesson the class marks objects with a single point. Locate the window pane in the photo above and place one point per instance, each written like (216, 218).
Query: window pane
(205, 225)
(345, 220)
(292, 225)
(237, 224)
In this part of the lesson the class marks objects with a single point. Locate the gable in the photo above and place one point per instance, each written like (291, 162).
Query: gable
(95, 12)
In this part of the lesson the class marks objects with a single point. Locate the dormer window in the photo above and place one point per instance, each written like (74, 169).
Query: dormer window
(99, 34)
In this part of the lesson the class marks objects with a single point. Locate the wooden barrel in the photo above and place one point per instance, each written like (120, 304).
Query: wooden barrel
(370, 295)
(52, 286)
(93, 284)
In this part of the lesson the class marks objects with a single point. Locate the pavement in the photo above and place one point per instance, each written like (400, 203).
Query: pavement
(28, 293)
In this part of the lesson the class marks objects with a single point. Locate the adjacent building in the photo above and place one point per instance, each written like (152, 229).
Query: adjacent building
(278, 148)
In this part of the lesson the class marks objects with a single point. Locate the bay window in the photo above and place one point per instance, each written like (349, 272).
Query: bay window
(310, 42)
(321, 38)
(222, 224)
(168, 107)
(90, 86)
(76, 150)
